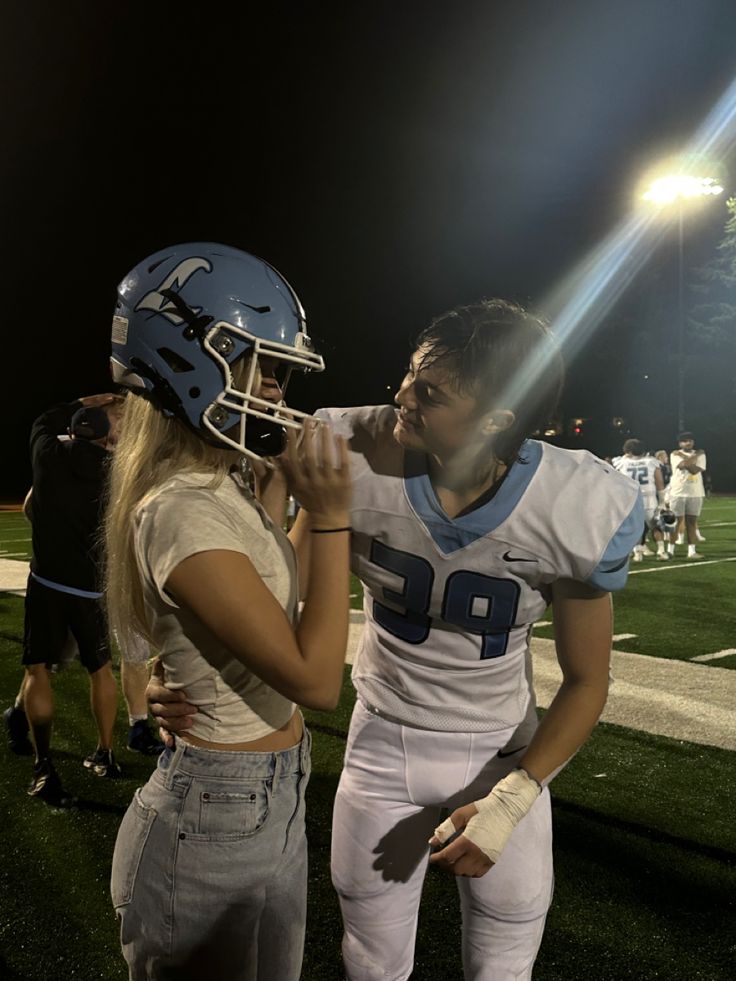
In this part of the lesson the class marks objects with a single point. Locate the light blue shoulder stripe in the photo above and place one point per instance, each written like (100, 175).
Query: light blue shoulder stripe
(451, 534)
(611, 572)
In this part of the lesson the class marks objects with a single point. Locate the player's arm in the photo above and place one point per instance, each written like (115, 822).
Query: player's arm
(659, 484)
(583, 630)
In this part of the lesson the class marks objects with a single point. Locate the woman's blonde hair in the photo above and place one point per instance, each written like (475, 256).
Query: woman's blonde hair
(151, 449)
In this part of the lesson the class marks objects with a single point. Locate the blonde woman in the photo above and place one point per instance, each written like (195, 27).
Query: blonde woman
(209, 871)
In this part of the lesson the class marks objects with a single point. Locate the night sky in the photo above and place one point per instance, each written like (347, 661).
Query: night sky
(390, 159)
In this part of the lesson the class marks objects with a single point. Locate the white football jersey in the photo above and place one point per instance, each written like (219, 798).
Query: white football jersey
(450, 603)
(642, 470)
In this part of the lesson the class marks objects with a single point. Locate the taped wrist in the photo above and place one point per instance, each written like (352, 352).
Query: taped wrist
(500, 812)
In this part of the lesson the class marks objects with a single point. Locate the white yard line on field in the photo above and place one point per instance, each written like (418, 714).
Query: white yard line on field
(692, 564)
(624, 637)
(714, 656)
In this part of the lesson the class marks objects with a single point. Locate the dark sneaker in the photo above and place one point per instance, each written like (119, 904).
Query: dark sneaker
(47, 786)
(103, 764)
(142, 740)
(16, 725)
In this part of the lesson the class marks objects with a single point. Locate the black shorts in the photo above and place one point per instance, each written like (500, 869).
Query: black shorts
(49, 617)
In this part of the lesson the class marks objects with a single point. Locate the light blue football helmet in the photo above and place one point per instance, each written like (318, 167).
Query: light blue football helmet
(185, 316)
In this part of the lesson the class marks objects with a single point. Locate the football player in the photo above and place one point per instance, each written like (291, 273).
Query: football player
(647, 473)
(464, 530)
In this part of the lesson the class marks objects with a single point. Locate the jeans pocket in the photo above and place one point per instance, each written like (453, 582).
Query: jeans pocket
(132, 837)
(225, 812)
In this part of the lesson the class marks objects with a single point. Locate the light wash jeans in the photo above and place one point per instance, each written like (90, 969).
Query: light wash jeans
(209, 874)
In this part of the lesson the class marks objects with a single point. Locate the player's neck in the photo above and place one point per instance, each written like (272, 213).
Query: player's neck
(459, 482)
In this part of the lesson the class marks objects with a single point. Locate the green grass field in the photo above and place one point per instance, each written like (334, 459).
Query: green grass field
(645, 841)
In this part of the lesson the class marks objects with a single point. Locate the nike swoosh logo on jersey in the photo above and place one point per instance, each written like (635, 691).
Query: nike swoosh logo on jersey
(515, 558)
(510, 752)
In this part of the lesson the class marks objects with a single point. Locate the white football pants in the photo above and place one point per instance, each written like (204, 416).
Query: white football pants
(395, 782)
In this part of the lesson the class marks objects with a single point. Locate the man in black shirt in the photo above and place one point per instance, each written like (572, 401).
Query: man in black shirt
(64, 592)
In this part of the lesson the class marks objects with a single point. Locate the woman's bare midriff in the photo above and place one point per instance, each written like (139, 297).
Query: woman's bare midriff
(287, 736)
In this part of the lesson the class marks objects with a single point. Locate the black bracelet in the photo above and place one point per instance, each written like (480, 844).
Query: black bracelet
(329, 531)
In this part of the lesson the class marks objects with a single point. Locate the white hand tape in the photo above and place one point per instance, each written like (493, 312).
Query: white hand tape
(500, 812)
(444, 831)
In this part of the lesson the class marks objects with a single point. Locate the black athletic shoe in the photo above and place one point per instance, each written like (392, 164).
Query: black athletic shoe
(16, 725)
(142, 740)
(103, 764)
(47, 786)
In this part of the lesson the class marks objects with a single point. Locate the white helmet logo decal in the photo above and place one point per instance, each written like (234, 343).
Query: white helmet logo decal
(175, 280)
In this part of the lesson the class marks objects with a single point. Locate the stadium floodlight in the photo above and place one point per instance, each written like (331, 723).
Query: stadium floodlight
(675, 187)
(679, 188)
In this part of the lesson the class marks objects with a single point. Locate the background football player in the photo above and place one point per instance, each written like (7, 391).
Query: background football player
(647, 473)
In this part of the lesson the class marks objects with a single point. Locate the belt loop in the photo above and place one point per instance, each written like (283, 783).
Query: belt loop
(174, 763)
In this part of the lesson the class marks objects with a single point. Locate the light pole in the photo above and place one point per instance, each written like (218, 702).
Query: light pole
(678, 188)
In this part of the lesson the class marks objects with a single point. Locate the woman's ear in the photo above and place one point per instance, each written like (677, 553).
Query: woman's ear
(498, 421)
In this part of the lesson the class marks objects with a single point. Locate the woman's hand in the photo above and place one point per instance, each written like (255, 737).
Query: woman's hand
(318, 472)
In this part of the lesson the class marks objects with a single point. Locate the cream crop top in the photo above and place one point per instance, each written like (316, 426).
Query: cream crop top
(185, 516)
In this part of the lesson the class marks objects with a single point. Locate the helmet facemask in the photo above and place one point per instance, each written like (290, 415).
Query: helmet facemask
(239, 417)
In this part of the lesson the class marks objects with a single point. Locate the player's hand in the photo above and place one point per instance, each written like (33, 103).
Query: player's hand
(169, 708)
(461, 856)
(317, 468)
(270, 476)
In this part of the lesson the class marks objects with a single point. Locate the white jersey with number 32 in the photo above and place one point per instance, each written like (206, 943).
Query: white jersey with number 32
(450, 603)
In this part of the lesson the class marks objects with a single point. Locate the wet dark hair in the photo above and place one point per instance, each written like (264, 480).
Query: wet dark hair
(634, 446)
(487, 348)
